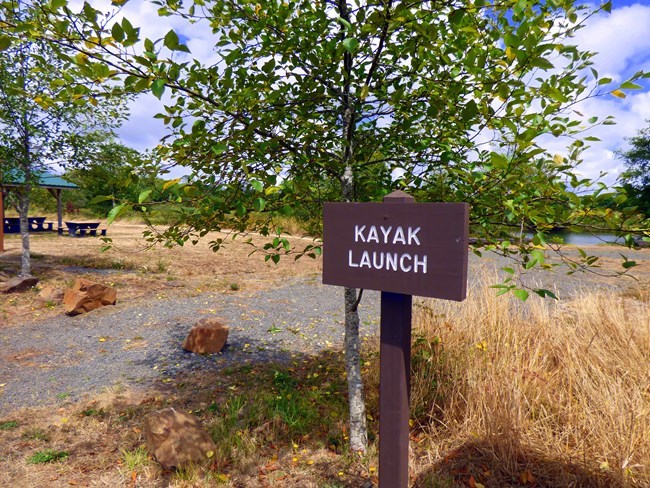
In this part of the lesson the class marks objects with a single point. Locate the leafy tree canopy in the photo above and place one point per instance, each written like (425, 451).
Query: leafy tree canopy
(45, 100)
(636, 178)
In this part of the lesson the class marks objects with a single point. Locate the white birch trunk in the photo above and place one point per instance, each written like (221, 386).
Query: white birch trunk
(23, 212)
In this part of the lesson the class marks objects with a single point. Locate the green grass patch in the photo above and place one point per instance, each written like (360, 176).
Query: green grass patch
(280, 405)
(135, 459)
(8, 425)
(48, 456)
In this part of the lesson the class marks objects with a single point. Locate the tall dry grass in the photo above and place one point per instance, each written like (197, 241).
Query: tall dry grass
(544, 393)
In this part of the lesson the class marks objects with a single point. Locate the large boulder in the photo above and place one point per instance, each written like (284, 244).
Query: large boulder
(18, 284)
(85, 296)
(177, 439)
(208, 336)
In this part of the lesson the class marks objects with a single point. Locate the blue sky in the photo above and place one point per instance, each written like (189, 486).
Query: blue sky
(622, 39)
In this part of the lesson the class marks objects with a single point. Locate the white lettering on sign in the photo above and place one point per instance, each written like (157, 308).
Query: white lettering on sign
(390, 261)
(398, 237)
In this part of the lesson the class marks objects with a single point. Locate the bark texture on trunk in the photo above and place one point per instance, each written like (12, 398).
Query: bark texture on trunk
(23, 212)
(356, 398)
(357, 402)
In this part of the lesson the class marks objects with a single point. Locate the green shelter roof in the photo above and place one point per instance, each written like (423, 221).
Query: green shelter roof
(42, 179)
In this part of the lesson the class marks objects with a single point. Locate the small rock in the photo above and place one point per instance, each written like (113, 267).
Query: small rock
(639, 242)
(19, 284)
(208, 336)
(177, 439)
(85, 296)
(51, 294)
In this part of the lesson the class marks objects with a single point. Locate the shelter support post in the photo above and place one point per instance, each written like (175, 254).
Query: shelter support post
(2, 221)
(56, 193)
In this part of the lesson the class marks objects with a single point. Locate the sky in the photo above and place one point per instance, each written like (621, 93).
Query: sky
(621, 39)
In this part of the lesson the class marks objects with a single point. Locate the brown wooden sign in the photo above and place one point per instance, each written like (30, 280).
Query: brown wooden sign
(408, 248)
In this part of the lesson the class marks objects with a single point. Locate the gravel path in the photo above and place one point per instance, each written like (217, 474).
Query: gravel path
(135, 344)
(66, 358)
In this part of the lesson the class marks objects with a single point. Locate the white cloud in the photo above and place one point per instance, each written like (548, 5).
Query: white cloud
(623, 45)
(621, 39)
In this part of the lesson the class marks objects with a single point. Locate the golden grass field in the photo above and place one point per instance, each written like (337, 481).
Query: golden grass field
(504, 393)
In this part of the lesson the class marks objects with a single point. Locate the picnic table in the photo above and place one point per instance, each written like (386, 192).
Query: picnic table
(11, 225)
(81, 229)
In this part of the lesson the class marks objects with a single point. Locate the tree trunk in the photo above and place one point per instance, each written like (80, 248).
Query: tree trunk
(23, 212)
(356, 398)
(357, 402)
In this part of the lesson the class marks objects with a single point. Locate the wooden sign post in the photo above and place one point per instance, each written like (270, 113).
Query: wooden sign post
(401, 248)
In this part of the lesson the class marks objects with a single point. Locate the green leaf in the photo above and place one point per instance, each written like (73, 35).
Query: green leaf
(219, 148)
(542, 63)
(259, 204)
(144, 195)
(508, 270)
(628, 85)
(115, 212)
(257, 185)
(5, 43)
(171, 40)
(158, 88)
(545, 293)
(100, 198)
(117, 32)
(345, 23)
(350, 44)
(521, 294)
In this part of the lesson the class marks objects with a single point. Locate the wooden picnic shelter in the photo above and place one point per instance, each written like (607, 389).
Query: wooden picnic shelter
(53, 183)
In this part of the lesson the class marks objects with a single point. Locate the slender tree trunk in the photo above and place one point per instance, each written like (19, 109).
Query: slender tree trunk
(357, 402)
(356, 397)
(23, 212)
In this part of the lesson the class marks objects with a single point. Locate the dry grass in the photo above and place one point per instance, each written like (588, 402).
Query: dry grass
(504, 393)
(537, 393)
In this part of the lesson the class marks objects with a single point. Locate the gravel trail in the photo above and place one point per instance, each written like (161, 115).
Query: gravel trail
(135, 344)
(67, 358)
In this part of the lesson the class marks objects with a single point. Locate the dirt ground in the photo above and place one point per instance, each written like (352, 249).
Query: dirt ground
(139, 271)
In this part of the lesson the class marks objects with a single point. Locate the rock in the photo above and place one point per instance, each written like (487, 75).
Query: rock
(177, 439)
(206, 337)
(50, 294)
(19, 284)
(639, 242)
(85, 296)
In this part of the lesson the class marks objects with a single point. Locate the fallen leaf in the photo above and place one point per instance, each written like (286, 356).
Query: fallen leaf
(475, 484)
